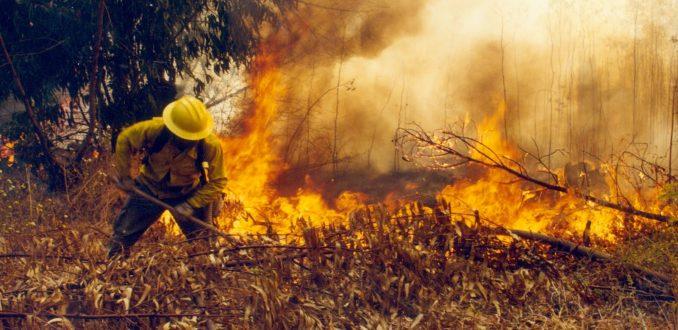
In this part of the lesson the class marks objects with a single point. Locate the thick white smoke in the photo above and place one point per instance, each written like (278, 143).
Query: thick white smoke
(589, 78)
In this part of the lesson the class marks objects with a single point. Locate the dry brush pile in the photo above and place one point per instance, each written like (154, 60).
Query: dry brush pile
(420, 267)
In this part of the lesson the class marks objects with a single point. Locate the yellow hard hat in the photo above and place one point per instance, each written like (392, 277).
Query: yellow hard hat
(188, 118)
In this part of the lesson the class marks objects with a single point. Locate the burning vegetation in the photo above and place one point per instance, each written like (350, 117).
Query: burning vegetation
(351, 203)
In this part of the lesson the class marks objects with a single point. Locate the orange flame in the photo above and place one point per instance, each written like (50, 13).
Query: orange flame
(497, 195)
(252, 163)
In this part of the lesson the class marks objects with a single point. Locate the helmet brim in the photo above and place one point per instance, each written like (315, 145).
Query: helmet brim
(176, 130)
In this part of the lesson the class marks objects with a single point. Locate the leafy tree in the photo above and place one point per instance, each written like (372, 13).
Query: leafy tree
(131, 53)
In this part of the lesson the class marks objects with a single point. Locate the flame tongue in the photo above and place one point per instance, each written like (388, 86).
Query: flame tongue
(498, 196)
(253, 163)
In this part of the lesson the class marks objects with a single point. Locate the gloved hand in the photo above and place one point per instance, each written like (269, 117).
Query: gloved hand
(126, 183)
(184, 209)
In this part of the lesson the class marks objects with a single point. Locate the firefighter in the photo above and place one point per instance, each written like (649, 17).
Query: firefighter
(183, 165)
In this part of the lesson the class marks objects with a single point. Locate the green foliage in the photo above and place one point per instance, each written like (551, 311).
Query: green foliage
(656, 250)
(670, 193)
(147, 46)
(152, 43)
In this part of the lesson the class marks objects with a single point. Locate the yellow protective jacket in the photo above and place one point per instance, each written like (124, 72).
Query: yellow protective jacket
(171, 173)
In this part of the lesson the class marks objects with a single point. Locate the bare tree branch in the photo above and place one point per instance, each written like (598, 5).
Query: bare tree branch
(490, 159)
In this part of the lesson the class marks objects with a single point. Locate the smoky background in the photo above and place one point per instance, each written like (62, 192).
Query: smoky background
(588, 80)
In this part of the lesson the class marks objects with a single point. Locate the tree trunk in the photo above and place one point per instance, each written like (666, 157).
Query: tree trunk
(93, 85)
(55, 168)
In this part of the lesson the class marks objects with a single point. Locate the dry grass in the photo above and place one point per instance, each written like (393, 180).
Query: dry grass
(376, 271)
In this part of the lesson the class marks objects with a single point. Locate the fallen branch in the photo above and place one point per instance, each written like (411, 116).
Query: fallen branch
(582, 251)
(46, 256)
(254, 262)
(254, 247)
(21, 315)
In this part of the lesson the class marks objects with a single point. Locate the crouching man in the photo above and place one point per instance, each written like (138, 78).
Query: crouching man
(183, 165)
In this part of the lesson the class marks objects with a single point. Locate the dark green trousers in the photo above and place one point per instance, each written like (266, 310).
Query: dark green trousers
(138, 214)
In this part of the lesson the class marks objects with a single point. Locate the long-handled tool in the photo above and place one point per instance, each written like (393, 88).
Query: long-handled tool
(199, 300)
(166, 206)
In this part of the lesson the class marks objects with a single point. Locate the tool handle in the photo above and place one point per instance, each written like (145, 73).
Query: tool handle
(171, 208)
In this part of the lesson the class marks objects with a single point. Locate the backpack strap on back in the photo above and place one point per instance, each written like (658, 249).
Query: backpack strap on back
(159, 143)
(163, 138)
(200, 163)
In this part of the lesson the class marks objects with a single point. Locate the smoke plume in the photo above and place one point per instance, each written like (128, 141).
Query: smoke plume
(586, 78)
